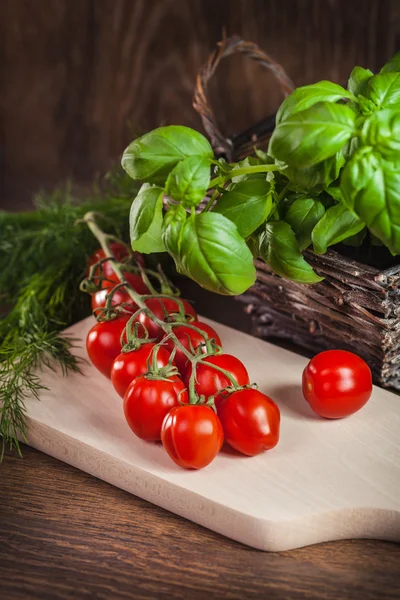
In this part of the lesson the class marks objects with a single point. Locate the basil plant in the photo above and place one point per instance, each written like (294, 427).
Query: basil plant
(331, 174)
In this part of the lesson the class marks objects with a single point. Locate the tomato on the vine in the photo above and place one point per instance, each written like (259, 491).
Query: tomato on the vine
(129, 365)
(134, 279)
(162, 309)
(192, 435)
(188, 337)
(250, 421)
(337, 383)
(103, 343)
(147, 401)
(120, 252)
(209, 380)
(121, 295)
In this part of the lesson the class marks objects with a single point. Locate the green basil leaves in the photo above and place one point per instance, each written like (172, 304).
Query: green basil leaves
(208, 248)
(331, 175)
(304, 97)
(189, 180)
(279, 248)
(371, 188)
(145, 220)
(337, 224)
(152, 157)
(303, 215)
(308, 137)
(247, 204)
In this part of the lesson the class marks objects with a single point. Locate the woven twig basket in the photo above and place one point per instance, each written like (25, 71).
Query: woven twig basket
(355, 308)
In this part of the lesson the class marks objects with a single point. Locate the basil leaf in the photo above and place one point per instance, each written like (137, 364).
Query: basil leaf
(174, 221)
(393, 66)
(382, 130)
(307, 95)
(312, 135)
(357, 239)
(358, 80)
(371, 188)
(247, 204)
(211, 252)
(280, 250)
(189, 180)
(302, 216)
(153, 156)
(337, 224)
(312, 180)
(145, 220)
(384, 90)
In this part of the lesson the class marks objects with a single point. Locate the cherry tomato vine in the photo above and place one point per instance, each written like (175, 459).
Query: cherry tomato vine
(180, 369)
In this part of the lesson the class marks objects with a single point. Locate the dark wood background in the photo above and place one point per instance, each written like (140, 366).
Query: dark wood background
(83, 77)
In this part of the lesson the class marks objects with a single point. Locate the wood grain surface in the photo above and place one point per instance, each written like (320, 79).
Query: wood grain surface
(64, 534)
(81, 78)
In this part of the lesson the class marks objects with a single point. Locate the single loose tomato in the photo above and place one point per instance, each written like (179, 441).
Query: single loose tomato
(250, 421)
(192, 435)
(163, 308)
(188, 337)
(129, 365)
(120, 252)
(103, 343)
(209, 380)
(337, 383)
(148, 401)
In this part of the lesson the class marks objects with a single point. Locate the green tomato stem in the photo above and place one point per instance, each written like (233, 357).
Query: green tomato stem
(103, 240)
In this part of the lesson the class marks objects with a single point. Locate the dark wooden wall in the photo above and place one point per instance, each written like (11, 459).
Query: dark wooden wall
(82, 77)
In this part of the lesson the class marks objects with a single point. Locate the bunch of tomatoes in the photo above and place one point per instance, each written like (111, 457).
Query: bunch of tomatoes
(179, 386)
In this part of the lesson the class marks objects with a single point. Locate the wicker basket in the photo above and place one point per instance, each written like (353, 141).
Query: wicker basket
(356, 307)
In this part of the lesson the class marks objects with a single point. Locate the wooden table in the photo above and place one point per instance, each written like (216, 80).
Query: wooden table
(64, 534)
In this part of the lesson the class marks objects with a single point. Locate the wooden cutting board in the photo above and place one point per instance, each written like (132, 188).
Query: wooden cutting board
(326, 480)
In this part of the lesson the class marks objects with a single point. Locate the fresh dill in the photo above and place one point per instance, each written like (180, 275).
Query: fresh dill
(43, 256)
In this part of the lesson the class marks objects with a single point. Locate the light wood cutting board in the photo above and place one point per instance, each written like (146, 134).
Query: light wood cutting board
(326, 480)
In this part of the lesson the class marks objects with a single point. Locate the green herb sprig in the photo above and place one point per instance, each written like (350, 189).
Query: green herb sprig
(43, 256)
(331, 174)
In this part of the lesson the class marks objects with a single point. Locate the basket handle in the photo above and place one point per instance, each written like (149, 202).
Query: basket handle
(228, 47)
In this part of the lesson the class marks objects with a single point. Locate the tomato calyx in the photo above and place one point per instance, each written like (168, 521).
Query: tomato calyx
(166, 373)
(134, 336)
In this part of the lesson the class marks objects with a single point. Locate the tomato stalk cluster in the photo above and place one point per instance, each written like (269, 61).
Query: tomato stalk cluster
(131, 331)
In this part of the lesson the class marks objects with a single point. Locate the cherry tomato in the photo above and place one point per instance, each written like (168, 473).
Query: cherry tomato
(162, 308)
(121, 295)
(192, 435)
(120, 252)
(103, 343)
(133, 278)
(210, 380)
(189, 337)
(129, 365)
(250, 421)
(337, 383)
(148, 401)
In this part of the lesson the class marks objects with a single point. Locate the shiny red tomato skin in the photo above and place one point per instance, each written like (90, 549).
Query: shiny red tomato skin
(103, 343)
(187, 337)
(133, 278)
(120, 252)
(192, 435)
(210, 381)
(337, 383)
(250, 420)
(99, 299)
(129, 365)
(162, 307)
(121, 295)
(147, 402)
